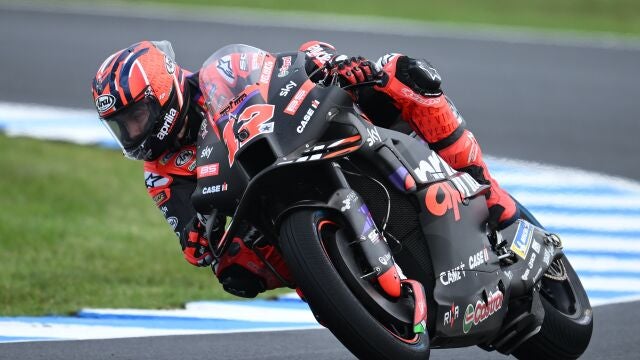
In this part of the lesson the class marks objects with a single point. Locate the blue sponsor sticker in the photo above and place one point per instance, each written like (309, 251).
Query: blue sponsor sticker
(522, 240)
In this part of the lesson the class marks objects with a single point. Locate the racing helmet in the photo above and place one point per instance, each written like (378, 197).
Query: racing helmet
(142, 98)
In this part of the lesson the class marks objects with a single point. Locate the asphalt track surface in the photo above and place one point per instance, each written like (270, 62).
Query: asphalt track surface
(558, 101)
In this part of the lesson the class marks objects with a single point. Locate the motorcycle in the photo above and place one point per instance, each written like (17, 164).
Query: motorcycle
(386, 242)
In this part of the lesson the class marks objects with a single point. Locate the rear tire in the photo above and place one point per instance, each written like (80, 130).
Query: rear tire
(330, 298)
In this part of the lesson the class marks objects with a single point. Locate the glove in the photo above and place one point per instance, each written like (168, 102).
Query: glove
(243, 273)
(195, 246)
(414, 87)
(417, 74)
(352, 71)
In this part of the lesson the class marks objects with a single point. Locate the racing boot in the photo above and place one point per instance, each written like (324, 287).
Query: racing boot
(414, 87)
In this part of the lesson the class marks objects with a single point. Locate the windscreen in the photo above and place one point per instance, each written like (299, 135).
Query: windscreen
(226, 73)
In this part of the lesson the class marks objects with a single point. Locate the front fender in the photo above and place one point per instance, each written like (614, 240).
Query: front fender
(304, 204)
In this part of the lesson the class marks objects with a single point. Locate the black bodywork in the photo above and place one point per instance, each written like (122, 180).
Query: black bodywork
(478, 291)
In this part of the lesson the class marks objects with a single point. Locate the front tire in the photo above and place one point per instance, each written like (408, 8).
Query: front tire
(302, 240)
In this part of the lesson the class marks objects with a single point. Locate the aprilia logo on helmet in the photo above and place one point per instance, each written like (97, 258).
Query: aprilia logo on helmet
(105, 102)
(168, 121)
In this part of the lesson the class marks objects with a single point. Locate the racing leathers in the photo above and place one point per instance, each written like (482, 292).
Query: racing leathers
(171, 181)
(408, 89)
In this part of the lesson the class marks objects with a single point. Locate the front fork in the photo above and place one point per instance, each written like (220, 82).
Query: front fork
(374, 246)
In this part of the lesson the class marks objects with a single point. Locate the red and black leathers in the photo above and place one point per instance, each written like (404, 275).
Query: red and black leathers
(413, 88)
(410, 91)
(171, 181)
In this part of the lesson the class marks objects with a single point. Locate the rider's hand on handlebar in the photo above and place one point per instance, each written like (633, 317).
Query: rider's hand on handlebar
(352, 71)
(195, 246)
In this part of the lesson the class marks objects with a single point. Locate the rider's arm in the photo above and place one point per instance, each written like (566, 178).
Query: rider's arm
(170, 181)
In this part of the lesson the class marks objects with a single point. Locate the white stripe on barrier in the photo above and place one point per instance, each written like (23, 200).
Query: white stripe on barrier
(610, 283)
(601, 222)
(588, 202)
(600, 243)
(604, 264)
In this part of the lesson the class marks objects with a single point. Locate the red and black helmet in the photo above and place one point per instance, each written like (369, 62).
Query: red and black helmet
(142, 97)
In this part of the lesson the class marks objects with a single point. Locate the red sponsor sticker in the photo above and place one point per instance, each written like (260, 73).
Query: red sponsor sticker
(299, 97)
(442, 197)
(267, 69)
(208, 170)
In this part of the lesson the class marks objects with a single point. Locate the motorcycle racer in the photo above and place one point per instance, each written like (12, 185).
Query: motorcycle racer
(155, 110)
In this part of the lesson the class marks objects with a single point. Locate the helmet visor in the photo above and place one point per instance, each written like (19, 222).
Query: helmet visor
(133, 124)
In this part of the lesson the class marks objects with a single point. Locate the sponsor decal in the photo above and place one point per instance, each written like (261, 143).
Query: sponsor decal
(522, 240)
(208, 170)
(318, 52)
(266, 128)
(423, 100)
(284, 69)
(384, 259)
(451, 315)
(152, 180)
(430, 70)
(105, 102)
(532, 260)
(442, 197)
(169, 64)
(233, 103)
(474, 315)
(535, 246)
(434, 168)
(525, 275)
(256, 59)
(478, 258)
(267, 69)
(307, 117)
(164, 210)
(203, 130)
(242, 128)
(298, 98)
(192, 166)
(373, 236)
(347, 201)
(374, 136)
(160, 198)
(546, 258)
(453, 275)
(166, 157)
(244, 65)
(284, 91)
(224, 68)
(214, 189)
(509, 274)
(173, 221)
(537, 275)
(206, 152)
(168, 123)
(183, 157)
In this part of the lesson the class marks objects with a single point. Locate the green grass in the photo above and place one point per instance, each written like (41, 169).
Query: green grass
(618, 16)
(77, 229)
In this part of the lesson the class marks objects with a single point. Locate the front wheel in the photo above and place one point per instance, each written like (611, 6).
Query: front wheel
(311, 241)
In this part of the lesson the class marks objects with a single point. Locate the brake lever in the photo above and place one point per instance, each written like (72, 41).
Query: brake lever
(364, 83)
